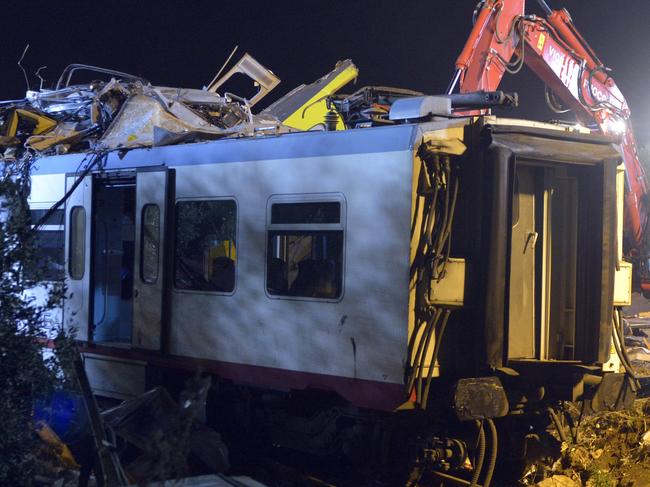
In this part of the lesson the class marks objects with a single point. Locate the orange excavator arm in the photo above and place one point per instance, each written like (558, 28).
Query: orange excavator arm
(504, 38)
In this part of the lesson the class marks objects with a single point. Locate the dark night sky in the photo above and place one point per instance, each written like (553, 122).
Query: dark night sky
(411, 44)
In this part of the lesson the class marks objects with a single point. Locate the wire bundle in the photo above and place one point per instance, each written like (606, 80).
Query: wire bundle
(436, 200)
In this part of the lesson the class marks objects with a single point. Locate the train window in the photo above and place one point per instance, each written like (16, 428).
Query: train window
(77, 257)
(56, 217)
(48, 244)
(150, 244)
(305, 250)
(323, 212)
(206, 252)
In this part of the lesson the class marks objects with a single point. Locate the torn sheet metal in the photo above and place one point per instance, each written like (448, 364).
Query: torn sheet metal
(134, 125)
(154, 419)
(263, 78)
(305, 108)
(126, 111)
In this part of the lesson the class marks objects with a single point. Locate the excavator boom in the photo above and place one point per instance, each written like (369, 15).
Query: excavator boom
(504, 38)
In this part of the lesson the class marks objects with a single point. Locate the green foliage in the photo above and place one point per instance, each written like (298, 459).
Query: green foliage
(25, 376)
(598, 478)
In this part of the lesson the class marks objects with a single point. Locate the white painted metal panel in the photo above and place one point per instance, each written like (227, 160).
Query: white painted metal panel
(76, 308)
(151, 189)
(113, 377)
(364, 334)
(46, 190)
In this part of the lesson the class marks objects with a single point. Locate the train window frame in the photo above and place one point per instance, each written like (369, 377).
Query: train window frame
(181, 290)
(145, 237)
(75, 238)
(297, 198)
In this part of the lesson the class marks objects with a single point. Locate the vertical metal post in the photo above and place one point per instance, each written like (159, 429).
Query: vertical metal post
(454, 81)
(547, 10)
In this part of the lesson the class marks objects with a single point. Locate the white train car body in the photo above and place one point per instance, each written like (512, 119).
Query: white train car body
(352, 340)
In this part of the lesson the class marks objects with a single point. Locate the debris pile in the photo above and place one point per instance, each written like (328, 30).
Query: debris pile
(159, 436)
(127, 111)
(612, 448)
(119, 111)
(637, 341)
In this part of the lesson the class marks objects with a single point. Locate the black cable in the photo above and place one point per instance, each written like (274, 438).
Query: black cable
(552, 103)
(511, 28)
(620, 341)
(558, 425)
(426, 326)
(437, 175)
(492, 461)
(620, 350)
(97, 157)
(429, 331)
(434, 357)
(477, 10)
(481, 455)
(447, 233)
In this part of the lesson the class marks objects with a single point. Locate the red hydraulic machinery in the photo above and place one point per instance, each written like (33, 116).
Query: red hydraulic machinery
(504, 38)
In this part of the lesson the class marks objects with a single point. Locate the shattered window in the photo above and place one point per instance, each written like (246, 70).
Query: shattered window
(150, 243)
(206, 250)
(305, 250)
(55, 219)
(48, 258)
(49, 242)
(76, 265)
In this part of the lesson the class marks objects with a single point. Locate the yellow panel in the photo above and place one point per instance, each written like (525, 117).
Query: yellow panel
(316, 107)
(449, 292)
(43, 123)
(446, 141)
(623, 285)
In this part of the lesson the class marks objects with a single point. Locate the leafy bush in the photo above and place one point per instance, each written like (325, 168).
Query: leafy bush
(25, 375)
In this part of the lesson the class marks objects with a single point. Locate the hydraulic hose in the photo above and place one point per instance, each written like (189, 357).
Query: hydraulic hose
(439, 188)
(619, 345)
(422, 358)
(481, 455)
(492, 461)
(434, 358)
(97, 157)
(626, 366)
(417, 359)
(547, 10)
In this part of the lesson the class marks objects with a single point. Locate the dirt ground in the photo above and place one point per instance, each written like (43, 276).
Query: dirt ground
(612, 448)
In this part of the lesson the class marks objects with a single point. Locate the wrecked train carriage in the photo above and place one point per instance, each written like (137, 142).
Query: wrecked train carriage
(307, 260)
(455, 265)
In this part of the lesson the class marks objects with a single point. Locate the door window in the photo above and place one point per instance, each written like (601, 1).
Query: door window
(150, 243)
(77, 257)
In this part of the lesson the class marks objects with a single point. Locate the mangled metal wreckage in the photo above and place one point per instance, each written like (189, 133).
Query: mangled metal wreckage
(306, 260)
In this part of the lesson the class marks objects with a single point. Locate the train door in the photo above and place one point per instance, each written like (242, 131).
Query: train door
(523, 264)
(150, 288)
(113, 245)
(115, 248)
(543, 256)
(76, 308)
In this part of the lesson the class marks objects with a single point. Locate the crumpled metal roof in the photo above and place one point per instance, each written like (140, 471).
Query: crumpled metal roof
(125, 112)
